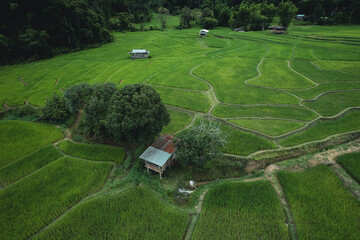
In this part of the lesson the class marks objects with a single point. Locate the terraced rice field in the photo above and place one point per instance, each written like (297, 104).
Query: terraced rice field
(322, 207)
(241, 211)
(231, 76)
(351, 163)
(133, 214)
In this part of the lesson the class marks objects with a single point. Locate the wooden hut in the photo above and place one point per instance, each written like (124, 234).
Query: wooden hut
(277, 29)
(203, 32)
(139, 53)
(160, 154)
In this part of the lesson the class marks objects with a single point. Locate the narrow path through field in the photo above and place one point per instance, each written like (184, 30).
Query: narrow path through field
(196, 215)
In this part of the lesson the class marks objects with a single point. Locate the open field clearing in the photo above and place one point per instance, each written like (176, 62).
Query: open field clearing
(136, 213)
(322, 207)
(351, 163)
(332, 103)
(338, 65)
(272, 127)
(195, 101)
(324, 128)
(296, 113)
(228, 79)
(22, 167)
(244, 143)
(33, 202)
(96, 152)
(311, 71)
(178, 120)
(276, 74)
(326, 87)
(236, 210)
(18, 139)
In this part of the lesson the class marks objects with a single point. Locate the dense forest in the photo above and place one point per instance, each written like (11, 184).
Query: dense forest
(37, 29)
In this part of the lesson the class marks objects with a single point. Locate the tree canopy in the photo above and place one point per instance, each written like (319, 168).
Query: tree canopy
(199, 144)
(136, 114)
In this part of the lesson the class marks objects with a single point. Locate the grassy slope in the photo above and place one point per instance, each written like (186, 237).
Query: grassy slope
(134, 214)
(22, 167)
(297, 113)
(35, 201)
(351, 163)
(322, 207)
(178, 120)
(96, 152)
(241, 211)
(331, 104)
(268, 126)
(323, 129)
(17, 138)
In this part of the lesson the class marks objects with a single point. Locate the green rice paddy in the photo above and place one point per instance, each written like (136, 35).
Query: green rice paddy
(322, 207)
(351, 163)
(96, 152)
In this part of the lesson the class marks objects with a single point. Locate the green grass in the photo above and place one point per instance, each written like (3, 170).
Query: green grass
(281, 51)
(178, 120)
(311, 71)
(134, 214)
(22, 167)
(18, 139)
(321, 206)
(297, 113)
(277, 74)
(241, 211)
(96, 152)
(35, 201)
(325, 87)
(351, 163)
(195, 101)
(338, 65)
(272, 127)
(228, 78)
(244, 143)
(331, 104)
(323, 129)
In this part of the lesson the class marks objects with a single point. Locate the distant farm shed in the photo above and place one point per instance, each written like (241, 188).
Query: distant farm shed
(139, 53)
(300, 17)
(277, 29)
(203, 32)
(239, 30)
(160, 154)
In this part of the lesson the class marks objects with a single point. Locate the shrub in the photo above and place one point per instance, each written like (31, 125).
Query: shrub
(209, 23)
(55, 110)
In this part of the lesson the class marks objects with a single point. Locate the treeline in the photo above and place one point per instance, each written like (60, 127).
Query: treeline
(316, 11)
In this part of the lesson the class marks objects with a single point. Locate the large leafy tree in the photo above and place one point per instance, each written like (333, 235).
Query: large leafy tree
(200, 144)
(136, 114)
(286, 12)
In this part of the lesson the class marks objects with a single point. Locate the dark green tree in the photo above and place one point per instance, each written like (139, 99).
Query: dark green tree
(55, 110)
(286, 12)
(96, 110)
(185, 18)
(136, 114)
(162, 15)
(209, 22)
(200, 144)
(77, 96)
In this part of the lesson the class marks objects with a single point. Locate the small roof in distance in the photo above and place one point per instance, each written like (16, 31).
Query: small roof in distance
(204, 30)
(138, 51)
(300, 15)
(155, 156)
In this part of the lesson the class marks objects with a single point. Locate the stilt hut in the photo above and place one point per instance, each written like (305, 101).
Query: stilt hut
(160, 155)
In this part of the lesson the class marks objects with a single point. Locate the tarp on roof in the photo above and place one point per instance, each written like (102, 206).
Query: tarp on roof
(138, 51)
(155, 156)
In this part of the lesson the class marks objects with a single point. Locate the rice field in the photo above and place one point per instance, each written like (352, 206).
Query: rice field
(178, 121)
(35, 201)
(321, 206)
(241, 211)
(18, 139)
(24, 166)
(96, 152)
(324, 128)
(136, 213)
(351, 163)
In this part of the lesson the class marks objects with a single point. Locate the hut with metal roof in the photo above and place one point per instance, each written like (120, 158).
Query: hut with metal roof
(160, 154)
(139, 53)
(203, 32)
